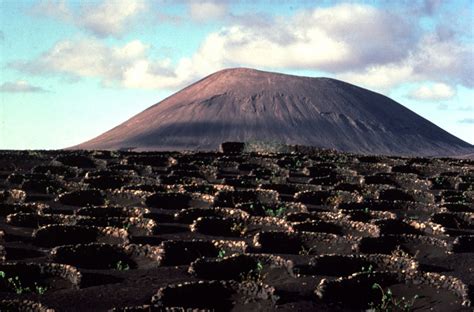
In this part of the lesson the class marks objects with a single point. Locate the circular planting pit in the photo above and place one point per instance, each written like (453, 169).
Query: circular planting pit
(18, 253)
(33, 220)
(178, 179)
(348, 187)
(329, 180)
(395, 194)
(318, 226)
(133, 225)
(187, 173)
(38, 278)
(148, 187)
(213, 295)
(219, 226)
(339, 227)
(60, 170)
(12, 196)
(367, 216)
(345, 265)
(232, 198)
(80, 161)
(239, 267)
(23, 306)
(356, 290)
(42, 186)
(421, 246)
(278, 242)
(463, 243)
(6, 209)
(182, 252)
(188, 216)
(396, 226)
(313, 197)
(401, 209)
(108, 181)
(114, 211)
(209, 189)
(392, 291)
(105, 256)
(273, 210)
(82, 198)
(290, 188)
(227, 268)
(459, 207)
(303, 243)
(242, 182)
(151, 160)
(57, 235)
(455, 223)
(381, 179)
(169, 200)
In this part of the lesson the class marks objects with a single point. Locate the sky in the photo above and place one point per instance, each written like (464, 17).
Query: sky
(71, 70)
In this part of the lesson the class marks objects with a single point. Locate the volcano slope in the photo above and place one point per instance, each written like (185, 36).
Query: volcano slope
(250, 105)
(234, 231)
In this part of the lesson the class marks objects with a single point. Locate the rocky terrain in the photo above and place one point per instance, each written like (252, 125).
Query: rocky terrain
(250, 105)
(242, 230)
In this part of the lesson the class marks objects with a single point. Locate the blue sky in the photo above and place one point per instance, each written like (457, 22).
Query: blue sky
(71, 70)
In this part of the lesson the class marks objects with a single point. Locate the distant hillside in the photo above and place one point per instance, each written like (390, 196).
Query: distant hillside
(250, 105)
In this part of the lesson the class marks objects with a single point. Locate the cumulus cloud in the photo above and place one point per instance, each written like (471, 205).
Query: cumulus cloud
(431, 58)
(20, 86)
(380, 77)
(358, 43)
(107, 18)
(437, 91)
(322, 39)
(207, 10)
(126, 66)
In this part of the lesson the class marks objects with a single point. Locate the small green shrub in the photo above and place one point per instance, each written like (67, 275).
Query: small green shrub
(221, 254)
(389, 303)
(122, 266)
(256, 275)
(279, 212)
(15, 284)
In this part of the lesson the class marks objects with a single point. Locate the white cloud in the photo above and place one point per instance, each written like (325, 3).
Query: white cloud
(321, 39)
(431, 58)
(380, 77)
(202, 11)
(357, 43)
(437, 91)
(107, 18)
(444, 59)
(126, 66)
(20, 86)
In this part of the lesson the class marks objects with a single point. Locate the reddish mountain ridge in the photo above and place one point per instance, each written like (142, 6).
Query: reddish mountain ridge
(250, 105)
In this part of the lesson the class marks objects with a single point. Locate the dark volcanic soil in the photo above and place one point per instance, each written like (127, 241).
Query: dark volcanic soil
(250, 105)
(315, 231)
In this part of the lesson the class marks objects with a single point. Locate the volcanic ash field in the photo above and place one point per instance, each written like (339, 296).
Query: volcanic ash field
(241, 231)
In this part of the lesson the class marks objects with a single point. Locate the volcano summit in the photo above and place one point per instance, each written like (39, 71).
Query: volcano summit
(250, 105)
